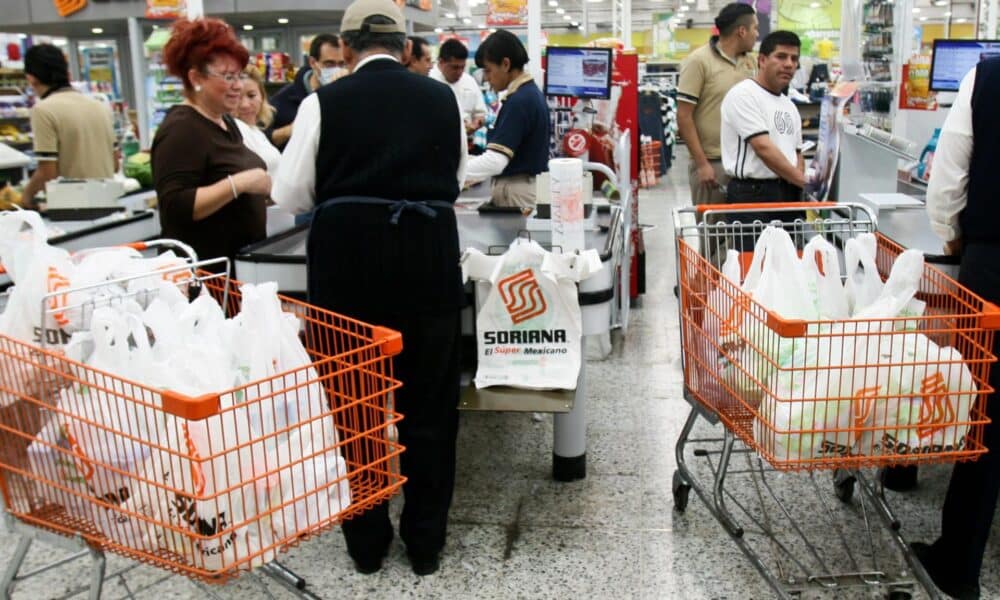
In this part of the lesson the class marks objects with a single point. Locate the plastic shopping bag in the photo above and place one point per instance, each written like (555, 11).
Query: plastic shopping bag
(821, 266)
(529, 328)
(863, 282)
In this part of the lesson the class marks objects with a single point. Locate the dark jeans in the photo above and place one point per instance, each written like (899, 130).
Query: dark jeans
(744, 191)
(972, 494)
(429, 369)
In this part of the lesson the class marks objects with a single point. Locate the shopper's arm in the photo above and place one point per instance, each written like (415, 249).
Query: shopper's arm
(800, 161)
(690, 86)
(776, 161)
(281, 135)
(689, 133)
(295, 184)
(47, 170)
(947, 191)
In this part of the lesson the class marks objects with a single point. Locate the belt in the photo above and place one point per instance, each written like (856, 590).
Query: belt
(752, 180)
(396, 207)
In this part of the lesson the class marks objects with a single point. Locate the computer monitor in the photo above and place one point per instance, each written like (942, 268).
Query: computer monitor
(578, 72)
(953, 59)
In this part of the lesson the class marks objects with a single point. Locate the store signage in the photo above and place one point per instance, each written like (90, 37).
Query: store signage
(165, 9)
(507, 12)
(67, 7)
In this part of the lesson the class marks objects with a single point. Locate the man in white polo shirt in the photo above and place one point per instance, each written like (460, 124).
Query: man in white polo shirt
(762, 130)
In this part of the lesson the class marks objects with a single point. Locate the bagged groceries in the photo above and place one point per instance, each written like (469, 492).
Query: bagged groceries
(197, 488)
(529, 327)
(861, 380)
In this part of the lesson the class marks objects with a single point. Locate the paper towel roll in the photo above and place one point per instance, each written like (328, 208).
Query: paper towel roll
(566, 190)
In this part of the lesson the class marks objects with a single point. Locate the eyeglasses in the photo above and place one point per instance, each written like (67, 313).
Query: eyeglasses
(229, 78)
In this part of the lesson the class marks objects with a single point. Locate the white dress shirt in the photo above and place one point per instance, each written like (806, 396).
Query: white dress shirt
(254, 139)
(948, 191)
(467, 92)
(294, 188)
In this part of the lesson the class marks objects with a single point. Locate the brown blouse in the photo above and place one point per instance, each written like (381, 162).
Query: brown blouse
(190, 151)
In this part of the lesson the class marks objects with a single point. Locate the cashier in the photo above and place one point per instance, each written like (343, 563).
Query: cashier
(74, 135)
(517, 147)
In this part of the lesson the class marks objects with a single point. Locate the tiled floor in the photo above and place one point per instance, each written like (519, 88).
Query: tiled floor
(517, 534)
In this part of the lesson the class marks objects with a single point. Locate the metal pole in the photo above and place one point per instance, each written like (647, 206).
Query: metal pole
(586, 19)
(614, 18)
(535, 39)
(627, 23)
(991, 20)
(137, 62)
(569, 435)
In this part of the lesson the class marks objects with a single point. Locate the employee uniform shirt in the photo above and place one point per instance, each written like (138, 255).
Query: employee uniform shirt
(749, 110)
(948, 189)
(706, 77)
(294, 188)
(467, 92)
(76, 131)
(521, 131)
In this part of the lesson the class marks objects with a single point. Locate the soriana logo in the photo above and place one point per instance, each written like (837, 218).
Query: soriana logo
(936, 411)
(522, 296)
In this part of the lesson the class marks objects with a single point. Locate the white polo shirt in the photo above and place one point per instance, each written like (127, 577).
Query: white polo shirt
(468, 93)
(750, 110)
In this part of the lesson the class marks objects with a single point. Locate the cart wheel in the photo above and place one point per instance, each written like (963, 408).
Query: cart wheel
(681, 491)
(844, 488)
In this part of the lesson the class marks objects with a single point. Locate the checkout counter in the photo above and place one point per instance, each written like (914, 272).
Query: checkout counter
(603, 304)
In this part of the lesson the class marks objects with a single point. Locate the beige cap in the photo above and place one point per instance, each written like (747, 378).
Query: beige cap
(359, 10)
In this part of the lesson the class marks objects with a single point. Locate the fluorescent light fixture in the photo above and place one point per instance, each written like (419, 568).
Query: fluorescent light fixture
(59, 42)
(567, 18)
(947, 14)
(580, 27)
(449, 15)
(594, 1)
(574, 23)
(685, 8)
(560, 11)
(814, 5)
(283, 21)
(248, 27)
(438, 30)
(916, 9)
(467, 20)
(97, 30)
(553, 3)
(923, 18)
(481, 26)
(941, 3)
(961, 20)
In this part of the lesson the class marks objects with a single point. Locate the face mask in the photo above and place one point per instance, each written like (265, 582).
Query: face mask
(330, 74)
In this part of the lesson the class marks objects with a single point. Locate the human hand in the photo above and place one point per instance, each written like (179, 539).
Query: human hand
(706, 175)
(253, 181)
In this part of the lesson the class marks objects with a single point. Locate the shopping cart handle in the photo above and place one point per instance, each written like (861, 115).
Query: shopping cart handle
(766, 206)
(390, 341)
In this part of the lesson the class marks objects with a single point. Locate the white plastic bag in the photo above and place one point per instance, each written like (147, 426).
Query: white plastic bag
(823, 283)
(863, 282)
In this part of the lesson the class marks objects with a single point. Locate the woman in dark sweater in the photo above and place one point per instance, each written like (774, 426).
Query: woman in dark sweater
(212, 190)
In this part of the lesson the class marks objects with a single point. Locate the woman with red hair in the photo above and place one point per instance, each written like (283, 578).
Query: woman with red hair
(212, 190)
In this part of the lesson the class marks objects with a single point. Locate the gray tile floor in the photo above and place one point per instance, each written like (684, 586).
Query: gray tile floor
(516, 534)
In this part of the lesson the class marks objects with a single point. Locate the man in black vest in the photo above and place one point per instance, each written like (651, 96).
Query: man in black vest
(961, 203)
(383, 248)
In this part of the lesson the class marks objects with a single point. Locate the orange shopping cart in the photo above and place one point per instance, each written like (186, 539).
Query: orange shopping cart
(846, 396)
(268, 481)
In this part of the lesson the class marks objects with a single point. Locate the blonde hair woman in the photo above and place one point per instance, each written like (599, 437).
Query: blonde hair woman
(253, 115)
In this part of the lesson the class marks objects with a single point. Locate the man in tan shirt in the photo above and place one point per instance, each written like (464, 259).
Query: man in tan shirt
(706, 77)
(74, 135)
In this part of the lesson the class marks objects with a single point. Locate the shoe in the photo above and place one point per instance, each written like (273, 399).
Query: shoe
(367, 566)
(960, 591)
(899, 479)
(425, 564)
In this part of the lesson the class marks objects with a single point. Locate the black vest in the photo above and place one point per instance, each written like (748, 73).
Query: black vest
(388, 133)
(980, 220)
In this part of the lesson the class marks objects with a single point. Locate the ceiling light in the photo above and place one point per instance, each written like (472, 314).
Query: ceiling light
(916, 9)
(941, 3)
(814, 5)
(493, 30)
(449, 15)
(961, 20)
(553, 3)
(689, 1)
(283, 21)
(59, 42)
(948, 14)
(482, 26)
(438, 30)
(248, 28)
(685, 8)
(156, 27)
(567, 18)
(467, 21)
(560, 11)
(923, 18)
(97, 30)
(574, 23)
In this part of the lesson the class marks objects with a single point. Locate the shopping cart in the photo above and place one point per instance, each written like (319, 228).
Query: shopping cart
(844, 413)
(351, 370)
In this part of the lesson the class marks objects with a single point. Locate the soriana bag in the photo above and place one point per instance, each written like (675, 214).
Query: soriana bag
(529, 328)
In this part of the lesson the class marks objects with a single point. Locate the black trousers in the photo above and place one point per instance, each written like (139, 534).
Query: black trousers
(972, 493)
(745, 191)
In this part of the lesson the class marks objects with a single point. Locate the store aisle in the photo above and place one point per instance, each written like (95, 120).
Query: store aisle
(516, 534)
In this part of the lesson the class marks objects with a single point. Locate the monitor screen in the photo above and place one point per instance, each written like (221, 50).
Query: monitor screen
(578, 72)
(953, 59)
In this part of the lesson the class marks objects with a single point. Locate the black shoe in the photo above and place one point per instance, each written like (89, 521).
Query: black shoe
(367, 565)
(425, 564)
(961, 591)
(899, 479)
